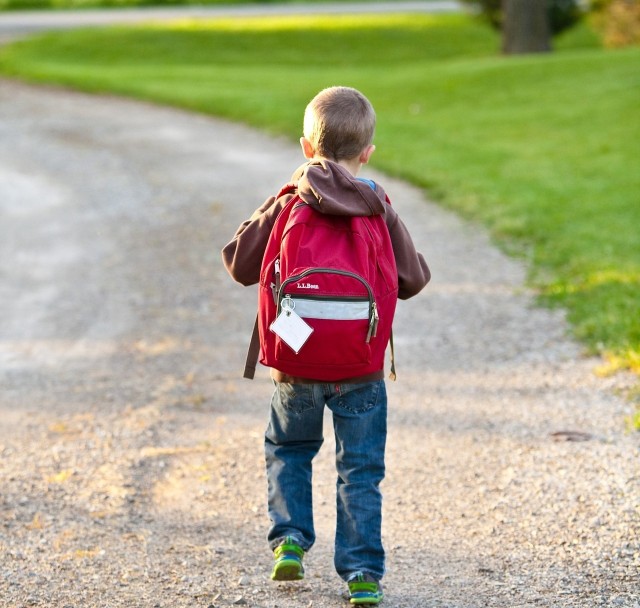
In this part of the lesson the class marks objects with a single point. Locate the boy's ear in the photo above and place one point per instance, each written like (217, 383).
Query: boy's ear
(307, 148)
(365, 155)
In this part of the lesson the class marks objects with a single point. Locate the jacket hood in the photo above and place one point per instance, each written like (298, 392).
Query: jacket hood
(331, 189)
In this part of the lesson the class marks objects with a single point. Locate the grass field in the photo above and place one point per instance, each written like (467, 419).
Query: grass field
(542, 149)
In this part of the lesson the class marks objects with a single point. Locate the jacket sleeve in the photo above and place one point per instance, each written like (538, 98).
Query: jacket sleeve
(413, 272)
(242, 256)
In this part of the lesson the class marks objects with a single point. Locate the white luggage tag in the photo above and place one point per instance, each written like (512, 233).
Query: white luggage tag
(290, 327)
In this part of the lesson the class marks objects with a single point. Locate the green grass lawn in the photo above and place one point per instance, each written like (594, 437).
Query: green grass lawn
(543, 150)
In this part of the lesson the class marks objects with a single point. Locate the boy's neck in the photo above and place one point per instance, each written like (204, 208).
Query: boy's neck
(353, 166)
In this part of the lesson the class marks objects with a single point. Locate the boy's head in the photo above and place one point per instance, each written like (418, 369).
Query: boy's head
(338, 125)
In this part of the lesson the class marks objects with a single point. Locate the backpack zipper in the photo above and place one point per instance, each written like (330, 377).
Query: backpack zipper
(275, 286)
(373, 308)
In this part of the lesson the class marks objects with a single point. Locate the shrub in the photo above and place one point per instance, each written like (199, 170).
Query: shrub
(618, 22)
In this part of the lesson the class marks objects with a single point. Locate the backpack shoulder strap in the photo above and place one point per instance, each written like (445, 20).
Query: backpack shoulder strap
(290, 188)
(253, 352)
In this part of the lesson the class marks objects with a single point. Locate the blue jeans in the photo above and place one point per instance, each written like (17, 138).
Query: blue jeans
(294, 437)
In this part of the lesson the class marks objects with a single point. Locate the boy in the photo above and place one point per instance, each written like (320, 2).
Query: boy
(338, 132)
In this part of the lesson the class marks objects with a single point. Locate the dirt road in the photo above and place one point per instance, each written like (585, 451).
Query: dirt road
(131, 450)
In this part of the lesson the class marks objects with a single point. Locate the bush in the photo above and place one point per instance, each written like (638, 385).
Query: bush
(563, 14)
(618, 22)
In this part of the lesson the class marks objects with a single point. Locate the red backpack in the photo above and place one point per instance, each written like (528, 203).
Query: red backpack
(327, 294)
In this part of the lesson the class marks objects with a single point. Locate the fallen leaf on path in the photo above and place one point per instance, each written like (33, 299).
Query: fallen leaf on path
(60, 477)
(571, 436)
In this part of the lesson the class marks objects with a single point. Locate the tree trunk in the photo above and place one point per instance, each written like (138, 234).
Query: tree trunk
(525, 27)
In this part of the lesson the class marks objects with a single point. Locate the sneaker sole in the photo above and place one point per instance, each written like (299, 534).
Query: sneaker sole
(371, 600)
(287, 570)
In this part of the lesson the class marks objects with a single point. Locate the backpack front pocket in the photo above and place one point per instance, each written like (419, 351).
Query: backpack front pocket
(340, 308)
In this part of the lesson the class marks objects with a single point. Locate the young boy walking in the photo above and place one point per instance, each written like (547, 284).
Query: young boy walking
(338, 132)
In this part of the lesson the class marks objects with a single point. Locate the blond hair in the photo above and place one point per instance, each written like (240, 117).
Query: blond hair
(339, 122)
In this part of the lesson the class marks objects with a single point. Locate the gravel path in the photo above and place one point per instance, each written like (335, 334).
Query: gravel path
(131, 449)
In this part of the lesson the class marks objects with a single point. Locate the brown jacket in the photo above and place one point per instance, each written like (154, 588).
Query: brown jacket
(330, 189)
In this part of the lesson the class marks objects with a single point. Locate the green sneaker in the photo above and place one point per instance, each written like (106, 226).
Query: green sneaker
(364, 589)
(288, 564)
